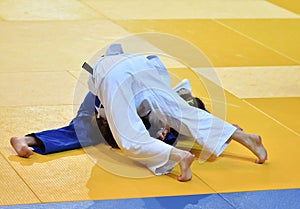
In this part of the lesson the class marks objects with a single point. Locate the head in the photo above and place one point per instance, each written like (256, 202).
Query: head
(106, 132)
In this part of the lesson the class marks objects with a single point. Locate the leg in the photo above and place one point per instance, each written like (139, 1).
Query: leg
(22, 145)
(253, 143)
(185, 160)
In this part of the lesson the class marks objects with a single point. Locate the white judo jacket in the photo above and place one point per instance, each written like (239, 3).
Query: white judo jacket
(129, 87)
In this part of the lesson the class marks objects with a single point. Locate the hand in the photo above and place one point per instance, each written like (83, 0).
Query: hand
(162, 133)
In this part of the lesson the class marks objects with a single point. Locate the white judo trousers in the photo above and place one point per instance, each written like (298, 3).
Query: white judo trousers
(130, 86)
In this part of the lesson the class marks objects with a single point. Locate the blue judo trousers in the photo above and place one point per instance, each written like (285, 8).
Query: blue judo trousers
(81, 132)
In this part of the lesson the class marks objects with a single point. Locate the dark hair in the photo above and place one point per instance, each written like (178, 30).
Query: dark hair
(199, 104)
(106, 132)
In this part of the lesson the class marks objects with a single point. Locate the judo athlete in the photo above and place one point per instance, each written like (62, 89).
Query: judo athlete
(132, 85)
(83, 130)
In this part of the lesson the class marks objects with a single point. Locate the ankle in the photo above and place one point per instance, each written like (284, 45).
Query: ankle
(30, 140)
(177, 155)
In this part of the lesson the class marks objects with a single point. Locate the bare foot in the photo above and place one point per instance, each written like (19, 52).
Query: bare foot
(258, 148)
(253, 142)
(20, 145)
(185, 164)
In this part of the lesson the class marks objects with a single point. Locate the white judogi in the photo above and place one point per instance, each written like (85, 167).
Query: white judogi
(129, 87)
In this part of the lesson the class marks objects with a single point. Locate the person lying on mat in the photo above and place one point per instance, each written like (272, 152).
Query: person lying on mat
(83, 130)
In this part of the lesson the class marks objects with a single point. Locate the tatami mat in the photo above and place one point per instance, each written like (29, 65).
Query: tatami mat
(13, 188)
(291, 5)
(46, 10)
(260, 82)
(53, 45)
(284, 111)
(222, 46)
(192, 9)
(36, 88)
(279, 35)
